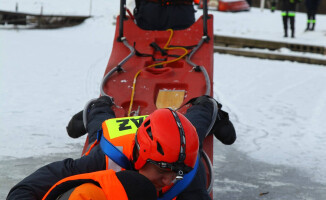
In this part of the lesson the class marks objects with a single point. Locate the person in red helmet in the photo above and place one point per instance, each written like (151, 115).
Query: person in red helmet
(165, 148)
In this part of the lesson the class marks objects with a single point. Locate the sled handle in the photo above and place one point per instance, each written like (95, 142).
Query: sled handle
(122, 17)
(209, 165)
(200, 68)
(205, 17)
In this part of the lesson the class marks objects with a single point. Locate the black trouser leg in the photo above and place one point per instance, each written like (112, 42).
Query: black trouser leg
(313, 21)
(292, 25)
(285, 25)
(308, 21)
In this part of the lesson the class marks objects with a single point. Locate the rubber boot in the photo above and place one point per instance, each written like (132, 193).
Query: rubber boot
(312, 27)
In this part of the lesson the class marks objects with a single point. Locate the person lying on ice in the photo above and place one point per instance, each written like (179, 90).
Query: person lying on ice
(161, 161)
(164, 14)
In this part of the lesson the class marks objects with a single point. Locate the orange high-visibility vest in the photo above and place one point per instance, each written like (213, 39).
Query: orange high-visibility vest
(121, 133)
(111, 187)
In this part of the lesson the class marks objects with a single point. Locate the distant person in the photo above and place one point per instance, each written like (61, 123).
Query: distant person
(273, 5)
(311, 6)
(162, 15)
(288, 14)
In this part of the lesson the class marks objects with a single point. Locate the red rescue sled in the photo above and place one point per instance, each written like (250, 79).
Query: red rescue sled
(153, 69)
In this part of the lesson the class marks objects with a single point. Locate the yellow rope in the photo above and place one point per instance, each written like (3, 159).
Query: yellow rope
(156, 64)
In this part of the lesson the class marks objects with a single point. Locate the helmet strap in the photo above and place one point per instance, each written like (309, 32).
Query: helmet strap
(182, 153)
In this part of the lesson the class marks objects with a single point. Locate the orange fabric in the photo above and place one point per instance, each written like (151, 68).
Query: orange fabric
(92, 146)
(125, 141)
(107, 179)
(106, 162)
(87, 191)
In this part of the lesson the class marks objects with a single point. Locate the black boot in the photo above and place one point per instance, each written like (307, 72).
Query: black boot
(220, 126)
(312, 27)
(285, 33)
(76, 126)
(308, 27)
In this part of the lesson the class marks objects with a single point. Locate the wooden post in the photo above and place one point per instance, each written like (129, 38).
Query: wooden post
(262, 5)
(90, 7)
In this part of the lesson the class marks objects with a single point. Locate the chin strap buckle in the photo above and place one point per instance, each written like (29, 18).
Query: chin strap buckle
(179, 175)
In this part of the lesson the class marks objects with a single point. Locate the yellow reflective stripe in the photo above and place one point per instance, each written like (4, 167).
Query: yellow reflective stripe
(291, 14)
(123, 126)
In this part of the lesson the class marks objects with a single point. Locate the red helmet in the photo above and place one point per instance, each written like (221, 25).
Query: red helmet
(168, 139)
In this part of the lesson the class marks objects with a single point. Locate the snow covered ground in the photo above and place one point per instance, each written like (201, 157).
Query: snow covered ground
(278, 108)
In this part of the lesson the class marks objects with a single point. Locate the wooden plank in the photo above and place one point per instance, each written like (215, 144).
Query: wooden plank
(271, 56)
(170, 98)
(228, 41)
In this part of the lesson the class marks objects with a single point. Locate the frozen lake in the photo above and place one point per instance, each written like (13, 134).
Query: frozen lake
(278, 108)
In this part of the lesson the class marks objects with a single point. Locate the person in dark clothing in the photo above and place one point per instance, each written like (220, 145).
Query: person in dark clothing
(288, 14)
(311, 6)
(249, 2)
(200, 114)
(164, 14)
(273, 5)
